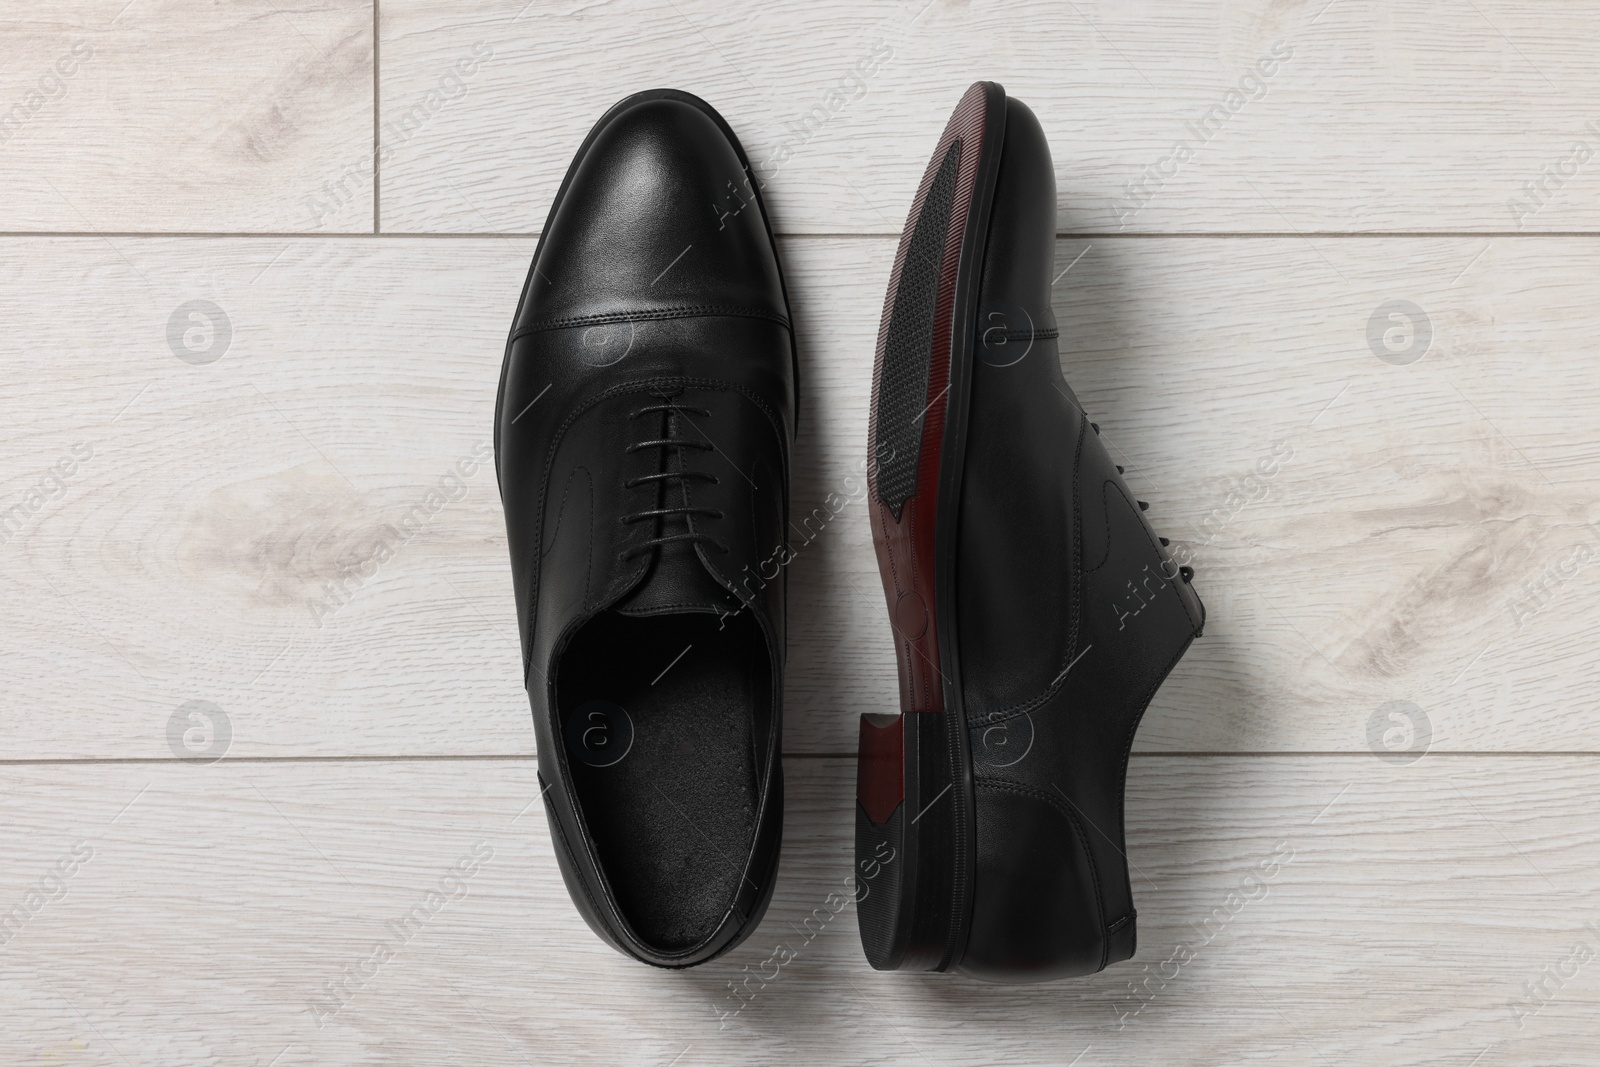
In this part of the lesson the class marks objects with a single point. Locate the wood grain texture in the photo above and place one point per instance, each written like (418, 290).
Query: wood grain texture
(1330, 910)
(247, 518)
(170, 116)
(1229, 115)
(1421, 536)
(253, 531)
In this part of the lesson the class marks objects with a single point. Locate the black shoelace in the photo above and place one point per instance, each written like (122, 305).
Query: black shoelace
(671, 447)
(1186, 573)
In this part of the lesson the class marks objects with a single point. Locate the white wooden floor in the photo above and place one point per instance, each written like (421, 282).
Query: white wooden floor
(1327, 280)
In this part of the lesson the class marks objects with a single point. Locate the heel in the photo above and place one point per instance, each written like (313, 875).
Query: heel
(907, 810)
(880, 847)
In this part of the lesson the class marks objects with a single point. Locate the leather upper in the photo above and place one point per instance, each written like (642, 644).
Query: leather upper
(1070, 615)
(658, 220)
(655, 283)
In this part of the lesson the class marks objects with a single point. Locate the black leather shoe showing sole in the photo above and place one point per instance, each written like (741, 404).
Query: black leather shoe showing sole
(914, 820)
(1034, 611)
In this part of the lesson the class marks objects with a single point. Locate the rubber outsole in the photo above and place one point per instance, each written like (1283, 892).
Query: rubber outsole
(914, 811)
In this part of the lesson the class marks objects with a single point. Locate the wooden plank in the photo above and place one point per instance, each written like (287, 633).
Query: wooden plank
(1232, 115)
(163, 116)
(233, 538)
(1397, 551)
(1300, 910)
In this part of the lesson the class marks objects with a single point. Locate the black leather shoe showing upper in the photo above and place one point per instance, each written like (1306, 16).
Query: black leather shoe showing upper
(1035, 612)
(642, 437)
(1071, 614)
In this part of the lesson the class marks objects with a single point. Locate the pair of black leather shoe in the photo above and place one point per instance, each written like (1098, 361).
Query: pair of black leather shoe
(643, 434)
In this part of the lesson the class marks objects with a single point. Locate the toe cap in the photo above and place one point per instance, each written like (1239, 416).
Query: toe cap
(659, 214)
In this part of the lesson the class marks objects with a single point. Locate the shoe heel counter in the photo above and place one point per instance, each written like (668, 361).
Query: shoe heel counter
(1037, 912)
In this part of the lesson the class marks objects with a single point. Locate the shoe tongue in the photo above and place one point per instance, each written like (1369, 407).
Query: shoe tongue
(676, 582)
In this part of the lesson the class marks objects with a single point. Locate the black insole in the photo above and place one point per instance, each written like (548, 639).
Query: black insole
(671, 811)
